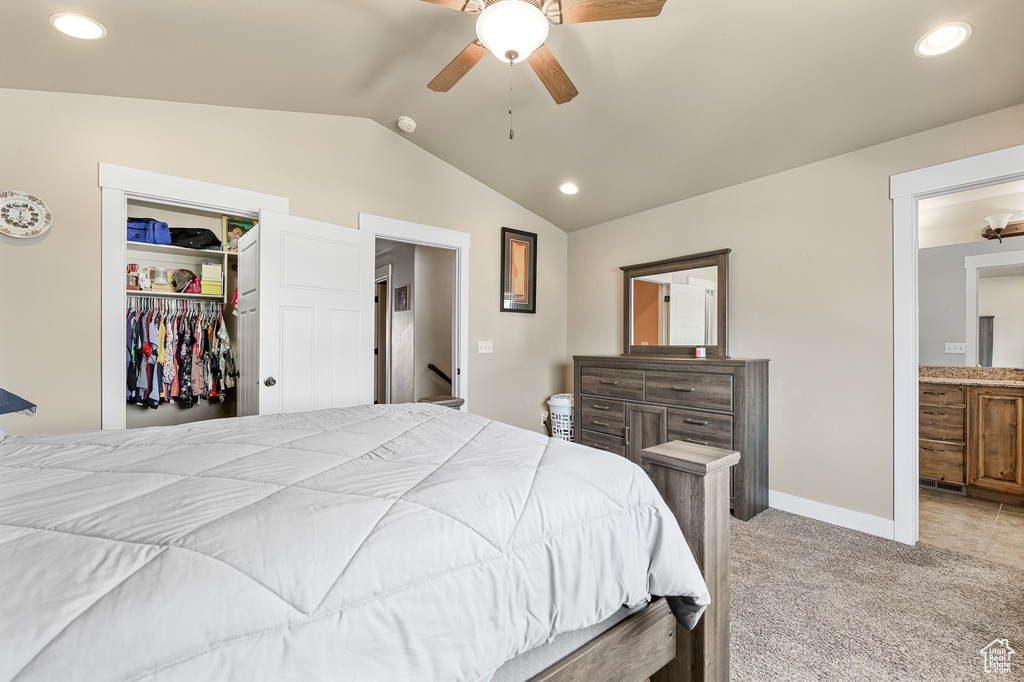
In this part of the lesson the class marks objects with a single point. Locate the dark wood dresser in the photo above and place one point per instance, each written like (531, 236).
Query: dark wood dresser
(624, 404)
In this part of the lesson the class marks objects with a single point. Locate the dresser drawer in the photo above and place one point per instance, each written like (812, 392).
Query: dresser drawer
(602, 441)
(941, 461)
(690, 389)
(616, 383)
(943, 394)
(599, 408)
(604, 422)
(941, 422)
(702, 428)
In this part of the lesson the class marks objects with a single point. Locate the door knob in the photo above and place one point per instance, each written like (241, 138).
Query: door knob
(269, 381)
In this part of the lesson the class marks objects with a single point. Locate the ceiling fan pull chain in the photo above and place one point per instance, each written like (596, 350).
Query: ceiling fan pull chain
(511, 132)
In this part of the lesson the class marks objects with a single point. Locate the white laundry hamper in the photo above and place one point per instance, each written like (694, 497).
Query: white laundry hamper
(560, 409)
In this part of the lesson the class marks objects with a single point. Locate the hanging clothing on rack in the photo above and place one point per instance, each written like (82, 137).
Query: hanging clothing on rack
(176, 351)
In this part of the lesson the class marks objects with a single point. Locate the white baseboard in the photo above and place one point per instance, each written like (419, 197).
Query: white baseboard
(837, 516)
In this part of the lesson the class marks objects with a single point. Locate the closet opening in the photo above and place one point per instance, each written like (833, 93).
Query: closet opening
(201, 311)
(180, 364)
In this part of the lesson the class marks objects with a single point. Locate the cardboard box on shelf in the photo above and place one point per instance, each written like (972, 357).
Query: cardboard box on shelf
(212, 273)
(212, 288)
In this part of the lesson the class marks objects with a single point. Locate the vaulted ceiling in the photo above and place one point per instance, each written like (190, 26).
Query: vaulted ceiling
(709, 94)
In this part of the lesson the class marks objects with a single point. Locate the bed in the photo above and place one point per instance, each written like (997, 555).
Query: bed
(407, 542)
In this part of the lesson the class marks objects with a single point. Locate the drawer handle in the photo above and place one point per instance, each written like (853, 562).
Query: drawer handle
(683, 390)
(932, 449)
(698, 442)
(601, 407)
(597, 423)
(696, 421)
(605, 448)
(935, 393)
(936, 413)
(609, 382)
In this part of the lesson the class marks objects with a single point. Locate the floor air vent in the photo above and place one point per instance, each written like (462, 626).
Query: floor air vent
(955, 488)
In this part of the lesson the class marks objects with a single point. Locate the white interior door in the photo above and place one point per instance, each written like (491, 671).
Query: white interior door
(314, 313)
(248, 307)
(686, 314)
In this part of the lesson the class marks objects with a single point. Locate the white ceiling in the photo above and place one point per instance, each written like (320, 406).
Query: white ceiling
(709, 94)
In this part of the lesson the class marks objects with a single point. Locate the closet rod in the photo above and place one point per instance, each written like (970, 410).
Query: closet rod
(176, 305)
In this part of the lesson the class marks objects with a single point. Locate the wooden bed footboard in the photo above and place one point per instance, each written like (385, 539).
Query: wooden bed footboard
(694, 481)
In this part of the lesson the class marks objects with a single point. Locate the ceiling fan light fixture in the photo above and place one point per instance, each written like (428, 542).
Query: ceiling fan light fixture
(512, 29)
(942, 39)
(78, 26)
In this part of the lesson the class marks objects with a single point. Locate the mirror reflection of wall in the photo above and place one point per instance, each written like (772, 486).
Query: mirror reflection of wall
(1001, 300)
(676, 308)
(950, 230)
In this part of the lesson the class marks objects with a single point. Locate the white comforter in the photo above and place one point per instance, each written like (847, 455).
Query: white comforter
(400, 543)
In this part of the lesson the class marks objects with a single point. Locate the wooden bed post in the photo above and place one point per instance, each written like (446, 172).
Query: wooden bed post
(694, 480)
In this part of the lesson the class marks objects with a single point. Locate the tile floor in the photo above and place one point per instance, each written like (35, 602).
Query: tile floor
(988, 530)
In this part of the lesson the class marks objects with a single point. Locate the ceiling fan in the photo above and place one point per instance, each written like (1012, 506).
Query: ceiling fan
(516, 29)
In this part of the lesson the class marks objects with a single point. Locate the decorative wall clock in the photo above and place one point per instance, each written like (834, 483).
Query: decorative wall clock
(23, 215)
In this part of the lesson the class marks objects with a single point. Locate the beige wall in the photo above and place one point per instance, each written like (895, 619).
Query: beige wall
(810, 289)
(330, 167)
(432, 307)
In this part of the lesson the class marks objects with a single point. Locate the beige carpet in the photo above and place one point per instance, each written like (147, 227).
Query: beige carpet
(812, 601)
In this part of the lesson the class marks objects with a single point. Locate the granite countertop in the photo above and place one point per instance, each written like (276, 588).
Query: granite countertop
(972, 376)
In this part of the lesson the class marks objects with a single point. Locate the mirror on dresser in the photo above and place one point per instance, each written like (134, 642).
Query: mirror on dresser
(674, 306)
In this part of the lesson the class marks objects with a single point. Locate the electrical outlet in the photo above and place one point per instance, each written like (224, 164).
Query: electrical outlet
(544, 418)
(484, 346)
(956, 347)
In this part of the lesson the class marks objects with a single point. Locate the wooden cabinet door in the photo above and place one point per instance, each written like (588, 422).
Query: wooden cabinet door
(646, 426)
(995, 453)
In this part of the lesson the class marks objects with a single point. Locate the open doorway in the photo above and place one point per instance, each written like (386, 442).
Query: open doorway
(415, 351)
(456, 246)
(971, 354)
(382, 336)
(907, 190)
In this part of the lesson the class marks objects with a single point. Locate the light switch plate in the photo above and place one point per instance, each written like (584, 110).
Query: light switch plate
(484, 346)
(956, 347)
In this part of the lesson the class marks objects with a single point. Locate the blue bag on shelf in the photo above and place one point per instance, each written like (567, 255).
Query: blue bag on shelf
(148, 231)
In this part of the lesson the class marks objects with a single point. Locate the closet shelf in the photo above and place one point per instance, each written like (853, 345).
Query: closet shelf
(176, 250)
(172, 294)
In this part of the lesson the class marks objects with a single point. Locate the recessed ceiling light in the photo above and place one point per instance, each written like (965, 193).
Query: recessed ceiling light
(568, 188)
(78, 26)
(943, 39)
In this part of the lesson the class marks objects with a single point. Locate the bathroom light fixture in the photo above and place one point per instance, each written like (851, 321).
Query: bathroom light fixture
(512, 29)
(78, 26)
(943, 39)
(997, 226)
(568, 188)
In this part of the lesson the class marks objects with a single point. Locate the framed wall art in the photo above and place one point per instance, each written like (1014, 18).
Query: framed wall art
(402, 303)
(518, 271)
